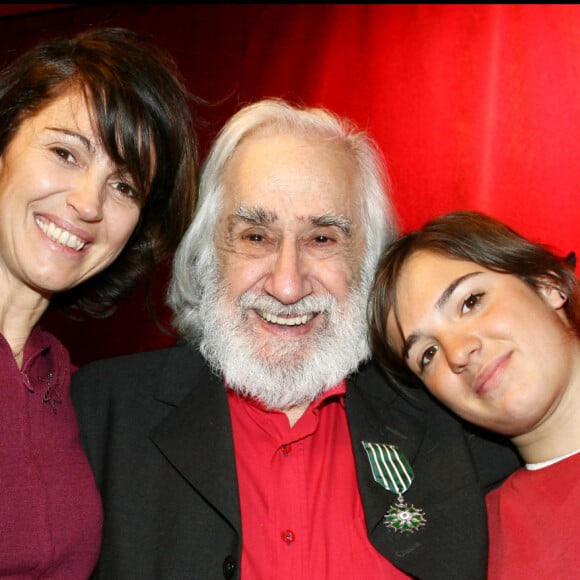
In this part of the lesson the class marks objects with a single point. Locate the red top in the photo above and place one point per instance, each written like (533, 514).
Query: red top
(534, 520)
(50, 510)
(302, 516)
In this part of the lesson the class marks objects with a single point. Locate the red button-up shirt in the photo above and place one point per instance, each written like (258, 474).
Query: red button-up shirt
(302, 516)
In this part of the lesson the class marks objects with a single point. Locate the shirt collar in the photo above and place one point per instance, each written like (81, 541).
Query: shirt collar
(338, 390)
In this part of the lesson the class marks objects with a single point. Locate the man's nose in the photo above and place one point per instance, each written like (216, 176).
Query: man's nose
(288, 280)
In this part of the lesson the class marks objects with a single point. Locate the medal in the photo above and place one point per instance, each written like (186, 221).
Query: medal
(404, 518)
(392, 471)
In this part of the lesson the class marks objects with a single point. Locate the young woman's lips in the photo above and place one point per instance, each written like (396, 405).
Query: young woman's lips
(490, 376)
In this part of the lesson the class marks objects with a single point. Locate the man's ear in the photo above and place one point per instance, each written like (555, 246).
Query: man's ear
(552, 292)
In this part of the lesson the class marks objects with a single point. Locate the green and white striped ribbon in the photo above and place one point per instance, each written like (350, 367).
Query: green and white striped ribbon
(389, 466)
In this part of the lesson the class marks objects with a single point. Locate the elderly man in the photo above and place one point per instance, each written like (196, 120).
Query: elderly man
(266, 445)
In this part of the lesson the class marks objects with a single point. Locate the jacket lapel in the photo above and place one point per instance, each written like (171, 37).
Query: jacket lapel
(197, 437)
(375, 416)
(452, 544)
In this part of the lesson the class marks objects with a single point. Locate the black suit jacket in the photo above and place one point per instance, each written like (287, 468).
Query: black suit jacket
(157, 431)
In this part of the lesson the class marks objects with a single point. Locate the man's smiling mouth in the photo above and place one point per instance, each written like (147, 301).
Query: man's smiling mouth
(286, 321)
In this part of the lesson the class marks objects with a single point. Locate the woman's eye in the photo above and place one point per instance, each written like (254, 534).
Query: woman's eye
(471, 302)
(126, 189)
(427, 357)
(64, 154)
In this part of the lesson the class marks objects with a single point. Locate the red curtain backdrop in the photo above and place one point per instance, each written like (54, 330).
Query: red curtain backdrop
(474, 106)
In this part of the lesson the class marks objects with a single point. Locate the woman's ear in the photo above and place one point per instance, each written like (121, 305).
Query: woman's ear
(551, 292)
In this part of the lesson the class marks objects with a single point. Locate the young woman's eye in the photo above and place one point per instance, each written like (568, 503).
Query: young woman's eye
(471, 302)
(427, 357)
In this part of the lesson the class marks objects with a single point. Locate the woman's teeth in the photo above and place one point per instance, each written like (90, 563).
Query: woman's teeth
(60, 236)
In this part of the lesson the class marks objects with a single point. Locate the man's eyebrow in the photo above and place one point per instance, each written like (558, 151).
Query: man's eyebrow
(259, 216)
(339, 221)
(85, 141)
(441, 301)
(255, 215)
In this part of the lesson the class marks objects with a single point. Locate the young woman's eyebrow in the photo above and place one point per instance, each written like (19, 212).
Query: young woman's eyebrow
(408, 343)
(447, 293)
(441, 301)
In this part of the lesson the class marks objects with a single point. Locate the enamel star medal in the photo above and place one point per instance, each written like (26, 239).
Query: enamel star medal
(392, 471)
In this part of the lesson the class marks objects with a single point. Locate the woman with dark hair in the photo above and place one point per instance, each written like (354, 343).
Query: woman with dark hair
(490, 322)
(98, 169)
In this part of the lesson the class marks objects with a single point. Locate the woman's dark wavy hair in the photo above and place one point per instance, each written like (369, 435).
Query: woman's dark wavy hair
(142, 113)
(475, 237)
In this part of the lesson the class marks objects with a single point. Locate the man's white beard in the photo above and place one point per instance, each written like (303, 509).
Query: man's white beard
(282, 372)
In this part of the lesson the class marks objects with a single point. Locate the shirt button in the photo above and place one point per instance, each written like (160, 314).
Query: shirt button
(286, 449)
(288, 536)
(229, 567)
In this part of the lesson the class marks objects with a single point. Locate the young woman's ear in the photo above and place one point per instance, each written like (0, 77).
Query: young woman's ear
(552, 293)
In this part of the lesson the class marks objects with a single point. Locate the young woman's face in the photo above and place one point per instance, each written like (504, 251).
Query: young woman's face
(486, 344)
(66, 210)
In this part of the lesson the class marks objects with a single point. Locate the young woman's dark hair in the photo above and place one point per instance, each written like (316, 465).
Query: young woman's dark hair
(475, 237)
(143, 115)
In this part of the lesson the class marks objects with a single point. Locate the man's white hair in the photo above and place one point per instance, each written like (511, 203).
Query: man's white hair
(196, 253)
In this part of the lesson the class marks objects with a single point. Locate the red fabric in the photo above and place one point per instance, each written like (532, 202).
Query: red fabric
(50, 510)
(474, 105)
(535, 525)
(302, 516)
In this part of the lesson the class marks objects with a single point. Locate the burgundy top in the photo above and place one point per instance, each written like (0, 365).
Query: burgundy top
(50, 509)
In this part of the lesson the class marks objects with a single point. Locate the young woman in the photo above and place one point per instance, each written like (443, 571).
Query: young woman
(490, 322)
(97, 182)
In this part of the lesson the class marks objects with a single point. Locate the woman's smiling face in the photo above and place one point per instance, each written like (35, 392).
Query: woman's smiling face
(66, 210)
(493, 349)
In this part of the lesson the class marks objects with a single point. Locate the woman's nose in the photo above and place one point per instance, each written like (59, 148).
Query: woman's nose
(86, 198)
(460, 350)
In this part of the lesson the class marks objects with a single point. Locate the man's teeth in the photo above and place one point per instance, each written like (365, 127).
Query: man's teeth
(295, 321)
(60, 236)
